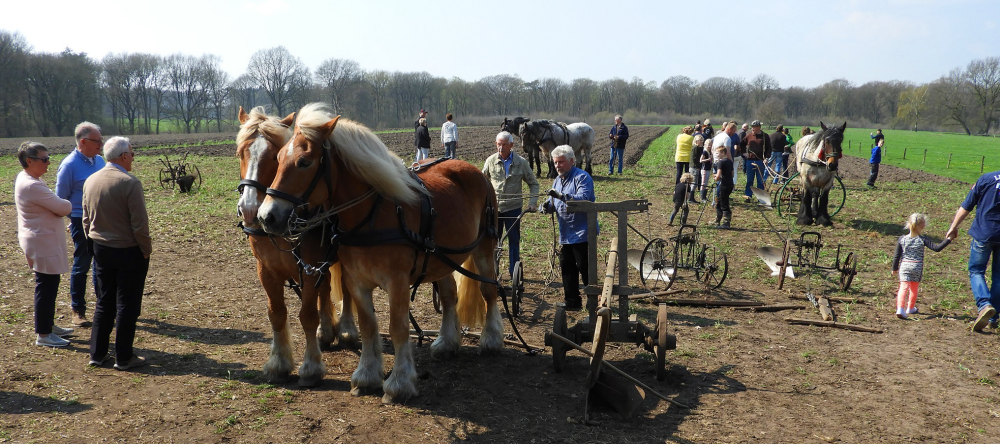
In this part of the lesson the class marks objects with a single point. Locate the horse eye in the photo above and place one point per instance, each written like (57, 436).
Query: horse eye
(303, 162)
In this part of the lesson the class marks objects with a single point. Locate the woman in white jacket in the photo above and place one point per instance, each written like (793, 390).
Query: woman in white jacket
(449, 136)
(42, 235)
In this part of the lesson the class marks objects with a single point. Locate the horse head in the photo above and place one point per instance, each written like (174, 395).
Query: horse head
(832, 140)
(260, 138)
(303, 162)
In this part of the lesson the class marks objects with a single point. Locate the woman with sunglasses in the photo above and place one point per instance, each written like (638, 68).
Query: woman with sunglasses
(42, 235)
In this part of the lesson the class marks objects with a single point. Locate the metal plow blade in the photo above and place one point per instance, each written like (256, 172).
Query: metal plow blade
(771, 256)
(661, 274)
(762, 197)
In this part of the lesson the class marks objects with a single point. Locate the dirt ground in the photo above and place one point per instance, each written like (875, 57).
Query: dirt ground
(748, 377)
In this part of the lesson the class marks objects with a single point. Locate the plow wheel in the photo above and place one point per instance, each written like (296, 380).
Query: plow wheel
(662, 342)
(784, 263)
(713, 267)
(516, 289)
(848, 270)
(166, 179)
(194, 171)
(558, 347)
(658, 265)
(788, 197)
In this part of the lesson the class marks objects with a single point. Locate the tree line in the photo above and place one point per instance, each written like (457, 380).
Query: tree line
(48, 94)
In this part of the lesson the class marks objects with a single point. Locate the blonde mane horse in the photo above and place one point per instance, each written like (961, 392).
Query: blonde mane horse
(333, 165)
(818, 155)
(258, 142)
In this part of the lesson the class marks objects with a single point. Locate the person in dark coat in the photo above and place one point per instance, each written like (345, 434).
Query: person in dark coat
(777, 159)
(422, 140)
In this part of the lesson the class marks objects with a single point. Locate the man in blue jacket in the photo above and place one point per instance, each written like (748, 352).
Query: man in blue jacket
(618, 136)
(73, 172)
(985, 233)
(571, 184)
(875, 160)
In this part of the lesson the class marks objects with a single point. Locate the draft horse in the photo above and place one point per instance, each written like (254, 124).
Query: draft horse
(337, 171)
(513, 126)
(545, 135)
(260, 138)
(818, 155)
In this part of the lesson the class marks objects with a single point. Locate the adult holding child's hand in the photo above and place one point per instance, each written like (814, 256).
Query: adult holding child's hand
(985, 233)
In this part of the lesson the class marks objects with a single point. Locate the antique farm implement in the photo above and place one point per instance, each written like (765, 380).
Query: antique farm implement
(184, 174)
(660, 260)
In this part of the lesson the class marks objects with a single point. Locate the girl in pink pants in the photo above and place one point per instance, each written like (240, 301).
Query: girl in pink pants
(909, 263)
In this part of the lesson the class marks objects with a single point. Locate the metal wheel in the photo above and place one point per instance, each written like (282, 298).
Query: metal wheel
(558, 347)
(712, 267)
(838, 196)
(847, 272)
(784, 263)
(786, 201)
(166, 179)
(662, 338)
(517, 288)
(658, 265)
(435, 297)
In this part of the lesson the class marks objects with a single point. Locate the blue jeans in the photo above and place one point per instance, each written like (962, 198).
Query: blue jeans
(754, 169)
(979, 257)
(83, 257)
(620, 154)
(449, 149)
(777, 162)
(507, 218)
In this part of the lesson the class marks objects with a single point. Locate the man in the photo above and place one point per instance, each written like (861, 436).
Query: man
(506, 171)
(756, 147)
(422, 115)
(737, 157)
(985, 233)
(777, 160)
(115, 219)
(725, 138)
(449, 136)
(878, 136)
(571, 184)
(73, 172)
(618, 136)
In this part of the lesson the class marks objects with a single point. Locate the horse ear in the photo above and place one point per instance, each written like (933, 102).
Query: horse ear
(327, 128)
(243, 116)
(843, 127)
(821, 125)
(288, 121)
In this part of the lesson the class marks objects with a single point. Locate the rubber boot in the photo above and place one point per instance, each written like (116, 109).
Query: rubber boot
(718, 218)
(726, 218)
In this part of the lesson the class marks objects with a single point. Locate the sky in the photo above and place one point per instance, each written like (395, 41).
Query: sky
(803, 43)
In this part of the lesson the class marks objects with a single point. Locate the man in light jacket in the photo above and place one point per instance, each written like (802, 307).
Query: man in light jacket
(506, 170)
(449, 136)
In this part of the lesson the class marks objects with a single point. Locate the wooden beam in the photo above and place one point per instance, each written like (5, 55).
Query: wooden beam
(654, 294)
(771, 308)
(803, 297)
(712, 302)
(832, 324)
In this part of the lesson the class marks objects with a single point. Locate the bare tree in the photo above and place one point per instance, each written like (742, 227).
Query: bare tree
(771, 112)
(282, 76)
(62, 90)
(912, 103)
(983, 77)
(187, 79)
(500, 90)
(678, 94)
(13, 66)
(761, 88)
(952, 99)
(378, 83)
(722, 95)
(338, 76)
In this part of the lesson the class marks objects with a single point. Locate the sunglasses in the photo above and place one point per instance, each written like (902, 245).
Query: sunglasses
(41, 159)
(97, 141)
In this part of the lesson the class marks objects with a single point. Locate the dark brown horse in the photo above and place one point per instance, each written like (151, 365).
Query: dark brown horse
(335, 171)
(258, 142)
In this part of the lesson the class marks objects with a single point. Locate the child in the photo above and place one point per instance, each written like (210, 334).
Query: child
(875, 161)
(695, 166)
(909, 263)
(724, 179)
(706, 168)
(681, 192)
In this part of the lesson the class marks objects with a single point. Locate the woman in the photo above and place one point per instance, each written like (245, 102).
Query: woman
(42, 235)
(694, 166)
(682, 157)
(423, 140)
(789, 149)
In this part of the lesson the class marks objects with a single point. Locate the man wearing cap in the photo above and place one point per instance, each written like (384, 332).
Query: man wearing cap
(756, 147)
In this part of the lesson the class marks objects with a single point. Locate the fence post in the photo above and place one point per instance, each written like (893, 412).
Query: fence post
(925, 157)
(949, 161)
(904, 153)
(982, 164)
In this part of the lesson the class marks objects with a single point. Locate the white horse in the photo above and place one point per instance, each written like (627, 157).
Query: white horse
(818, 154)
(545, 135)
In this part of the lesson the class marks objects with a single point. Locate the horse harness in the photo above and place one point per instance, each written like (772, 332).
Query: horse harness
(804, 155)
(547, 134)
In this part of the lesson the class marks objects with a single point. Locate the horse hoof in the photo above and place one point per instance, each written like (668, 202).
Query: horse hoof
(803, 222)
(364, 391)
(279, 378)
(310, 382)
(398, 399)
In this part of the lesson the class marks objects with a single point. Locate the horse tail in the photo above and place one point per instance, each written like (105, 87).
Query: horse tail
(471, 306)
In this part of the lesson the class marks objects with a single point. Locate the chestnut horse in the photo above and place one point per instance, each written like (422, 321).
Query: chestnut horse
(337, 172)
(818, 155)
(258, 142)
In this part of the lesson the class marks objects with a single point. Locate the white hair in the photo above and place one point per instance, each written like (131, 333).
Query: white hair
(505, 135)
(115, 147)
(84, 129)
(564, 151)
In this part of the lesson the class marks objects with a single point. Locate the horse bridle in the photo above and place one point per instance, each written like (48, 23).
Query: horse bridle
(322, 173)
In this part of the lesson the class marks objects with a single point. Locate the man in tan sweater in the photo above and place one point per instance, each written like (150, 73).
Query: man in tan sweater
(115, 219)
